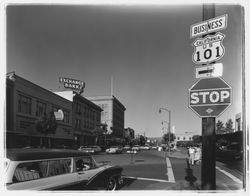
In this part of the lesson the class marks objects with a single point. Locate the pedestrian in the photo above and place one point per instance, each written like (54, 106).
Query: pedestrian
(197, 156)
(191, 152)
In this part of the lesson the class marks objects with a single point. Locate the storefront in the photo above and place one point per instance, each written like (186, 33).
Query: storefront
(28, 107)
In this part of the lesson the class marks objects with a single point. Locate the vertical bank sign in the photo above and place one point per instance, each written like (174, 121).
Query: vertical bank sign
(75, 85)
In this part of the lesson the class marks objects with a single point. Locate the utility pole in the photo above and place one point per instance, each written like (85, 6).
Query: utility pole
(208, 175)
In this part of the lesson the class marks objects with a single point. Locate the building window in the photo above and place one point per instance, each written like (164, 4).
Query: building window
(184, 138)
(85, 123)
(178, 138)
(66, 117)
(78, 108)
(40, 108)
(24, 104)
(77, 123)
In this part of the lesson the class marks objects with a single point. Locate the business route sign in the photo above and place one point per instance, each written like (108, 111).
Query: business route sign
(210, 97)
(208, 26)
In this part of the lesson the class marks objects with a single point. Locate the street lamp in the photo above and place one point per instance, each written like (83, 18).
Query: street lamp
(169, 124)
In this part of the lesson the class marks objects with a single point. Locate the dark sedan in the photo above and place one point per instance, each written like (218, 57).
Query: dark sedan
(231, 152)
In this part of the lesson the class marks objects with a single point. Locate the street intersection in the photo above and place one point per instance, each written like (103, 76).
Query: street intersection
(157, 170)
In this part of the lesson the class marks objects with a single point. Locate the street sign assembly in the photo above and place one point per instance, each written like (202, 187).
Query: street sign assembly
(208, 49)
(209, 26)
(209, 97)
(208, 71)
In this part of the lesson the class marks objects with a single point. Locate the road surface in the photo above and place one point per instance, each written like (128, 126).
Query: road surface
(151, 170)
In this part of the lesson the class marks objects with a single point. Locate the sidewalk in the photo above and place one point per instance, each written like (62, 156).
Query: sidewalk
(177, 154)
(192, 179)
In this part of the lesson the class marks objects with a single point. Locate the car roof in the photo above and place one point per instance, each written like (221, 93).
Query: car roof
(38, 154)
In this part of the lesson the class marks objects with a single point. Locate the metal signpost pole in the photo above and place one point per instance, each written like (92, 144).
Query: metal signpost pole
(169, 126)
(208, 180)
(210, 95)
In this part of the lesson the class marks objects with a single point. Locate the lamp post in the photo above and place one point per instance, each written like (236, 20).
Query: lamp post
(169, 124)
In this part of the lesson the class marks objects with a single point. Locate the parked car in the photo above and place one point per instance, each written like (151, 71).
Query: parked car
(96, 148)
(114, 150)
(154, 147)
(127, 148)
(86, 149)
(136, 148)
(145, 147)
(52, 169)
(230, 152)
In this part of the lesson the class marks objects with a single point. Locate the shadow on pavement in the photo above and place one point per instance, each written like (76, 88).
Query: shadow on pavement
(190, 178)
(126, 183)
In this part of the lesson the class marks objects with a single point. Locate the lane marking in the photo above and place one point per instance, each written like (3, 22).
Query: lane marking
(147, 179)
(170, 172)
(235, 179)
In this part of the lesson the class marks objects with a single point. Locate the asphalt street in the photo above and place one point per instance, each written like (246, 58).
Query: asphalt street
(151, 170)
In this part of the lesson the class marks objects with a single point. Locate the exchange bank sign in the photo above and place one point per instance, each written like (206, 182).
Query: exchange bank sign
(75, 85)
(209, 26)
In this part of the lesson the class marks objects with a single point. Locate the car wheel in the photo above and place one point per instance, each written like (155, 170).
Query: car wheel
(111, 185)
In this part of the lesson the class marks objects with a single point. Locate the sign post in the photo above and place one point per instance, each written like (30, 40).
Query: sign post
(208, 175)
(211, 95)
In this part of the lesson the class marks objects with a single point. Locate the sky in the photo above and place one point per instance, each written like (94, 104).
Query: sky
(146, 49)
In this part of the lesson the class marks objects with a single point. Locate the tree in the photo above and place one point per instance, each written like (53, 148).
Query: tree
(229, 124)
(168, 136)
(197, 139)
(220, 127)
(47, 124)
(142, 140)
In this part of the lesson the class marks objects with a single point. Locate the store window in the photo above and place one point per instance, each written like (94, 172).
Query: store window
(24, 104)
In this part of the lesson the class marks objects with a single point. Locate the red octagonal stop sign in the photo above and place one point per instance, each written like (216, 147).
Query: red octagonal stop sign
(210, 97)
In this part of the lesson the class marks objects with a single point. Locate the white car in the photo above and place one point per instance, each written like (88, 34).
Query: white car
(96, 149)
(114, 150)
(53, 169)
(86, 149)
(146, 147)
(126, 148)
(136, 148)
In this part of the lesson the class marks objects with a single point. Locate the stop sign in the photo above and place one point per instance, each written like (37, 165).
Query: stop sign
(210, 97)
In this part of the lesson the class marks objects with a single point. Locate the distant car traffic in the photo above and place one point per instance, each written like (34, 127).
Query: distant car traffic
(145, 147)
(114, 150)
(53, 169)
(127, 148)
(155, 147)
(86, 149)
(96, 148)
(136, 148)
